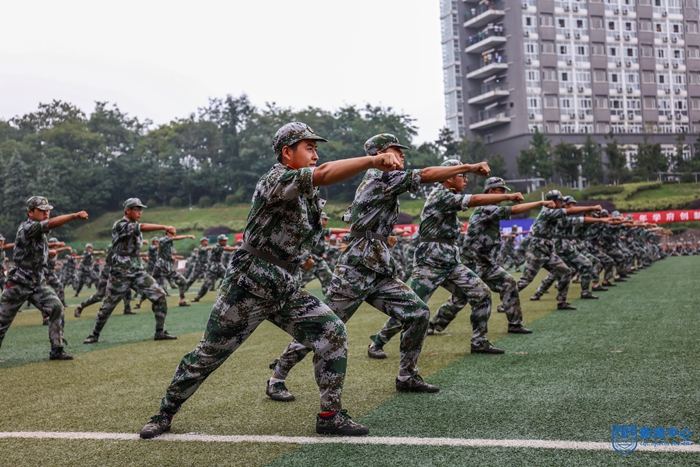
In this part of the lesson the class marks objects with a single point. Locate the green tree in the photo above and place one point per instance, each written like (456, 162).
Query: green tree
(617, 161)
(568, 161)
(17, 189)
(537, 159)
(650, 159)
(592, 161)
(679, 162)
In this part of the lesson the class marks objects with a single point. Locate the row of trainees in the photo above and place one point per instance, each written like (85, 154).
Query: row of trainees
(262, 279)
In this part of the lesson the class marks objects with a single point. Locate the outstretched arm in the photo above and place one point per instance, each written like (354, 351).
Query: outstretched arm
(154, 227)
(183, 237)
(483, 200)
(62, 220)
(521, 208)
(338, 171)
(582, 209)
(440, 173)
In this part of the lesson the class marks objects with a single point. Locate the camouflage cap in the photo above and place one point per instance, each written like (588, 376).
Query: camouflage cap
(554, 195)
(239, 242)
(324, 216)
(629, 217)
(292, 133)
(73, 252)
(451, 163)
(88, 245)
(604, 213)
(133, 203)
(155, 240)
(381, 142)
(494, 182)
(196, 250)
(569, 200)
(38, 202)
(51, 240)
(222, 237)
(1, 237)
(615, 214)
(203, 239)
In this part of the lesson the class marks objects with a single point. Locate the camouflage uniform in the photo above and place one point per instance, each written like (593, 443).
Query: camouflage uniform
(332, 254)
(127, 272)
(85, 272)
(25, 281)
(52, 279)
(506, 253)
(215, 271)
(521, 252)
(320, 269)
(101, 288)
(3, 277)
(412, 244)
(366, 272)
(165, 268)
(437, 263)
(200, 266)
(190, 262)
(541, 253)
(285, 224)
(69, 271)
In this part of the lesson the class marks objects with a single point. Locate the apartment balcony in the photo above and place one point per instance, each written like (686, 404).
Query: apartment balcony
(489, 119)
(483, 15)
(482, 42)
(489, 68)
(486, 96)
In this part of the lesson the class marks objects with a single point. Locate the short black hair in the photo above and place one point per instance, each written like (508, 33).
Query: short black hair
(293, 147)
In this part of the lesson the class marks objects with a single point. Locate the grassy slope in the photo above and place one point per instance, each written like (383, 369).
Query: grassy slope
(567, 386)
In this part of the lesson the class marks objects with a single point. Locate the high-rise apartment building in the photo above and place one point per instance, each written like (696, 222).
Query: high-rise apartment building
(571, 68)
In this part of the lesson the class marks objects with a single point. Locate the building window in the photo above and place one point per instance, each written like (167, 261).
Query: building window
(691, 26)
(596, 22)
(598, 48)
(650, 102)
(600, 76)
(546, 20)
(601, 102)
(693, 52)
(547, 47)
(551, 102)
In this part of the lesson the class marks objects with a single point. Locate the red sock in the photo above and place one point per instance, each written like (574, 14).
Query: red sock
(328, 414)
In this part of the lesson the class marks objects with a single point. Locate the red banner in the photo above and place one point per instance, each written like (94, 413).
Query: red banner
(667, 217)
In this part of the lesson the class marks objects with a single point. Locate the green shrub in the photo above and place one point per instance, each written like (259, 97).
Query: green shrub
(687, 177)
(231, 199)
(205, 202)
(676, 202)
(151, 203)
(176, 202)
(600, 191)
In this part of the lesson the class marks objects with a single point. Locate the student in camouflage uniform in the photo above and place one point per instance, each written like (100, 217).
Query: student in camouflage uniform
(320, 269)
(151, 260)
(200, 266)
(366, 272)
(165, 268)
(85, 272)
(413, 242)
(50, 271)
(333, 252)
(69, 265)
(127, 271)
(507, 250)
(261, 281)
(565, 233)
(541, 252)
(25, 280)
(521, 252)
(3, 268)
(437, 263)
(190, 262)
(101, 289)
(215, 270)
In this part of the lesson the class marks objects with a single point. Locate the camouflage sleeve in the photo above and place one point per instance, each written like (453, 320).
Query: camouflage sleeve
(125, 228)
(497, 213)
(463, 201)
(401, 181)
(36, 229)
(553, 213)
(294, 183)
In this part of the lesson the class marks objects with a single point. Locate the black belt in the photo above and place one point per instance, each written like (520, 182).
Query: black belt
(369, 234)
(291, 268)
(448, 241)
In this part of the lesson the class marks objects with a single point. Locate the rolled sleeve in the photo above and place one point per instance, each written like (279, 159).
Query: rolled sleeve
(295, 183)
(415, 180)
(464, 202)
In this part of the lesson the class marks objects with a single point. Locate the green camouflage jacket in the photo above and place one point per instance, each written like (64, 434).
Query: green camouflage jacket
(484, 231)
(126, 243)
(31, 253)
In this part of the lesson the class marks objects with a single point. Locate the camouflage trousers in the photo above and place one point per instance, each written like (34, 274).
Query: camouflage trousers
(100, 293)
(85, 278)
(234, 317)
(69, 279)
(57, 286)
(118, 286)
(540, 254)
(353, 285)
(466, 288)
(171, 276)
(498, 280)
(196, 274)
(320, 271)
(214, 273)
(578, 263)
(619, 262)
(42, 297)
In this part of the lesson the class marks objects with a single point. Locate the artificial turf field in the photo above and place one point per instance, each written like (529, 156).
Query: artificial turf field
(629, 358)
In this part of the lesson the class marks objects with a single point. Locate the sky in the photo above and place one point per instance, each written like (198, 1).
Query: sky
(162, 60)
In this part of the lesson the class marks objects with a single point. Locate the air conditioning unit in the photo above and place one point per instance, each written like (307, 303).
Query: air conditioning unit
(525, 5)
(678, 91)
(675, 65)
(664, 13)
(528, 61)
(567, 7)
(572, 116)
(622, 116)
(668, 91)
(625, 11)
(575, 8)
(666, 65)
(617, 37)
(629, 90)
(568, 35)
(630, 116)
(577, 35)
(580, 89)
(665, 39)
(674, 39)
(619, 63)
(527, 33)
(617, 11)
(678, 116)
(582, 115)
(628, 63)
(627, 37)
(569, 62)
(619, 90)
(532, 116)
(571, 89)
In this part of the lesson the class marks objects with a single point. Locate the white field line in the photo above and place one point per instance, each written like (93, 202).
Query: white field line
(376, 440)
